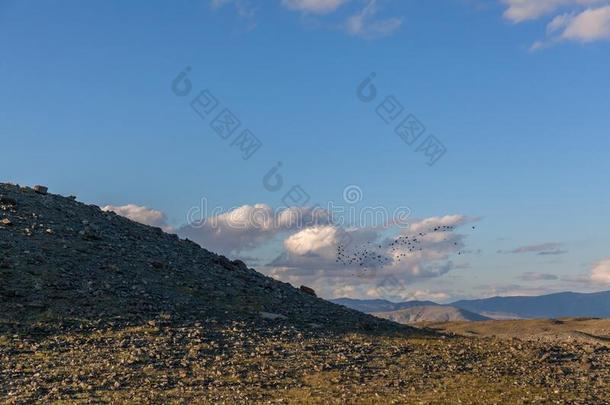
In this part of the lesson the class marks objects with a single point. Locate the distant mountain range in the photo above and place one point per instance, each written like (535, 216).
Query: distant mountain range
(379, 305)
(430, 313)
(559, 305)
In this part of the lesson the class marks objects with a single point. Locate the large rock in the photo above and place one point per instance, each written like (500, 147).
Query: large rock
(308, 290)
(40, 189)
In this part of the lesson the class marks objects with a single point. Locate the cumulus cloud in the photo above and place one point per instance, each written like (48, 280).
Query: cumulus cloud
(318, 240)
(249, 226)
(142, 215)
(364, 23)
(314, 249)
(313, 6)
(310, 258)
(600, 273)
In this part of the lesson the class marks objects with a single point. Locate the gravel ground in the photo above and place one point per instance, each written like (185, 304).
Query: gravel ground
(237, 362)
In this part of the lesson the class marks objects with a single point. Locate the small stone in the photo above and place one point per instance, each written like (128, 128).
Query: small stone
(6, 222)
(40, 189)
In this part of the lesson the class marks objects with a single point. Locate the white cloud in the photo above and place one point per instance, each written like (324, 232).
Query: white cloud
(142, 215)
(590, 25)
(522, 10)
(321, 240)
(581, 20)
(364, 25)
(600, 273)
(313, 6)
(249, 226)
(433, 222)
(375, 266)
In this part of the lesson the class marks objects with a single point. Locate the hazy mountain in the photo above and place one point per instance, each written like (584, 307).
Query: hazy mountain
(379, 305)
(434, 313)
(567, 304)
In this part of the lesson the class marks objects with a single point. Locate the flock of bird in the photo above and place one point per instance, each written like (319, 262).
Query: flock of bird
(370, 255)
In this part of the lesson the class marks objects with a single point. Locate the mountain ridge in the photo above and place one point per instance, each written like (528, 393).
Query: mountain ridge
(555, 305)
(435, 313)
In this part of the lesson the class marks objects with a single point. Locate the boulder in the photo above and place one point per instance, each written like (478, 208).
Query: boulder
(308, 290)
(40, 189)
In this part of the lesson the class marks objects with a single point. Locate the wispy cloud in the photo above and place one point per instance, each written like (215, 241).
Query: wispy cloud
(534, 276)
(540, 249)
(522, 10)
(364, 24)
(313, 6)
(243, 8)
(573, 20)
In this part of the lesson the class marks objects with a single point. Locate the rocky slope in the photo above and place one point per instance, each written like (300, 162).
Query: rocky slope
(62, 261)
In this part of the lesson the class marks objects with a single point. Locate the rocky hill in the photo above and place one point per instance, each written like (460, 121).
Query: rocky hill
(62, 261)
(435, 313)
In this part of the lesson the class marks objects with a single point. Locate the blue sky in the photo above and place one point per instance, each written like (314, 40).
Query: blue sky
(516, 91)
